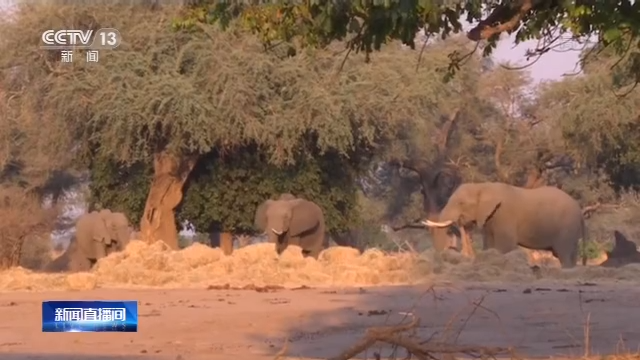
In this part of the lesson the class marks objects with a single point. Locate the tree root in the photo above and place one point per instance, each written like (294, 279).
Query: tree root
(423, 350)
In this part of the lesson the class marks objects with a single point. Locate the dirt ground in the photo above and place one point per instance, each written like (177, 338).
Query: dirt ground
(539, 318)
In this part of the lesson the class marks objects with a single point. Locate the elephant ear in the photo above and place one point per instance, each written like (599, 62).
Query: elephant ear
(488, 203)
(101, 231)
(305, 215)
(260, 220)
(118, 225)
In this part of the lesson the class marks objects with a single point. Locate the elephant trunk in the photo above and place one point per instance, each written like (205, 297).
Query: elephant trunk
(124, 236)
(280, 228)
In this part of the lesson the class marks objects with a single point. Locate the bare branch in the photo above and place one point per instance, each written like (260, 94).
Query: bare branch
(502, 18)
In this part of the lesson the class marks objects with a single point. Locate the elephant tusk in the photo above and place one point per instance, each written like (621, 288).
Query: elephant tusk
(430, 223)
(276, 232)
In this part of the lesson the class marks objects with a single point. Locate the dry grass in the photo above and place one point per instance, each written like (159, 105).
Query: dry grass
(490, 265)
(23, 221)
(546, 258)
(142, 265)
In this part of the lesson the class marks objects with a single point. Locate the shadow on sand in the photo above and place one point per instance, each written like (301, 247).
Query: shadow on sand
(536, 319)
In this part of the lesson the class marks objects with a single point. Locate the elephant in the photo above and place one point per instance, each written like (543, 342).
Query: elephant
(291, 220)
(98, 234)
(544, 218)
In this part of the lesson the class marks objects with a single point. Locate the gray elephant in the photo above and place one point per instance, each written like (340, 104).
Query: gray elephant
(290, 220)
(544, 218)
(98, 234)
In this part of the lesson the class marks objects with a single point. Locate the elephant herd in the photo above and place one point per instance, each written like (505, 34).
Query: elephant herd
(287, 220)
(544, 218)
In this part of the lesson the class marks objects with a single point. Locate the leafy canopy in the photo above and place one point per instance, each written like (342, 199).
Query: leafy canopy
(367, 25)
(387, 122)
(189, 93)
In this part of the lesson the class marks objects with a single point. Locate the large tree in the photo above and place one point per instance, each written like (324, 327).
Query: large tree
(33, 176)
(168, 98)
(226, 186)
(598, 124)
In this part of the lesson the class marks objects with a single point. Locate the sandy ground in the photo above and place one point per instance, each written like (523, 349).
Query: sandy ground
(539, 320)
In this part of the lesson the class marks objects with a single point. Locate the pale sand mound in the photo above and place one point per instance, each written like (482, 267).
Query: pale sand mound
(143, 265)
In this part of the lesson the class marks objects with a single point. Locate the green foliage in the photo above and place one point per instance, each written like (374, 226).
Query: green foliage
(593, 249)
(598, 127)
(370, 24)
(213, 92)
(188, 93)
(317, 23)
(119, 187)
(202, 238)
(363, 26)
(184, 241)
(224, 191)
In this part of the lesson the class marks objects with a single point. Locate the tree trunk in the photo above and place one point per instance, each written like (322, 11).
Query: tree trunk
(226, 242)
(158, 220)
(534, 179)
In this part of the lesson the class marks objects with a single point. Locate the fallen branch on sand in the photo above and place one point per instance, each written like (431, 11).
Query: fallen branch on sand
(423, 350)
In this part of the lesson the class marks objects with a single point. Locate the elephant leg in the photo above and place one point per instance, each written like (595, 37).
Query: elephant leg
(506, 245)
(566, 252)
(504, 239)
(100, 249)
(314, 252)
(312, 245)
(488, 241)
(79, 263)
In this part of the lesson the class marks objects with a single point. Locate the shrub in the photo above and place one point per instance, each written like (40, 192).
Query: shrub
(22, 220)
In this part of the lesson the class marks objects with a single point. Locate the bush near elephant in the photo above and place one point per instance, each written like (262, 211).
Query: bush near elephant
(98, 234)
(544, 218)
(289, 220)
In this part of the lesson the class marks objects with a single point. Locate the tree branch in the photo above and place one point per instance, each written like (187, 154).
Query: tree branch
(422, 350)
(416, 224)
(497, 155)
(588, 210)
(445, 132)
(418, 166)
(502, 18)
(534, 179)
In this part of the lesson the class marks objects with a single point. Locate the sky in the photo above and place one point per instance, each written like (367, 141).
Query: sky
(551, 66)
